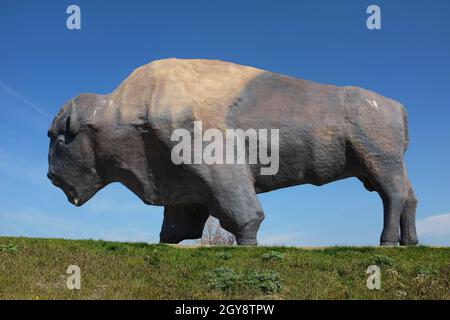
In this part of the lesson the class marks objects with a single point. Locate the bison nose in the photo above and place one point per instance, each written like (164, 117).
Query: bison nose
(52, 178)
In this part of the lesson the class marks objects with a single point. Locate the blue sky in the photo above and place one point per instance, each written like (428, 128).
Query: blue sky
(43, 64)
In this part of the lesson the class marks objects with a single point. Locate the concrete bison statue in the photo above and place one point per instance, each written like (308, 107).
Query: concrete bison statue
(326, 133)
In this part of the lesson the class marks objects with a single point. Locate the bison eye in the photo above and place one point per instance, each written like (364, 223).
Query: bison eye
(61, 139)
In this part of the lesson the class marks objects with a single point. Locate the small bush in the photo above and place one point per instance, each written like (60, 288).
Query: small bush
(334, 251)
(109, 246)
(427, 271)
(112, 247)
(153, 259)
(267, 282)
(224, 255)
(380, 261)
(9, 248)
(139, 245)
(226, 280)
(223, 279)
(273, 256)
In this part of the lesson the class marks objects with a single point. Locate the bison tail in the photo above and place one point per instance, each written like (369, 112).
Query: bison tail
(405, 128)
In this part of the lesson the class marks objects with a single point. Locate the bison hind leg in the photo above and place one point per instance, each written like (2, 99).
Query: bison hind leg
(408, 220)
(390, 180)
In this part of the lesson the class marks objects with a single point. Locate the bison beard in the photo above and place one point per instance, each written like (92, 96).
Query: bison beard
(326, 133)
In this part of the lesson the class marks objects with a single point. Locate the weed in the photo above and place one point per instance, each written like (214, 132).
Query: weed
(272, 256)
(223, 279)
(227, 280)
(224, 255)
(9, 248)
(268, 282)
(427, 270)
(380, 261)
(153, 259)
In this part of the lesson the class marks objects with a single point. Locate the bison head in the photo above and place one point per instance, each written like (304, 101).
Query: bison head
(71, 158)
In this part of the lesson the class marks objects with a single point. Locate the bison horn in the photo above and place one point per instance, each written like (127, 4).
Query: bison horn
(74, 125)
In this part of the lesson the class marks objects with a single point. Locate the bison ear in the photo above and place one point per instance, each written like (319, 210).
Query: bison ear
(49, 131)
(74, 124)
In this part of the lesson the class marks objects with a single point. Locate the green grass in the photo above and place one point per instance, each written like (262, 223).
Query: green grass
(36, 269)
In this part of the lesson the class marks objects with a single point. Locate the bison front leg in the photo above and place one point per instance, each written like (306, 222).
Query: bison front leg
(183, 222)
(235, 204)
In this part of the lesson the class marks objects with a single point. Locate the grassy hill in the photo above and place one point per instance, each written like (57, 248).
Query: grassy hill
(36, 269)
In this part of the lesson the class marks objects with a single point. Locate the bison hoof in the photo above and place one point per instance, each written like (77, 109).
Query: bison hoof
(169, 240)
(246, 241)
(409, 242)
(389, 243)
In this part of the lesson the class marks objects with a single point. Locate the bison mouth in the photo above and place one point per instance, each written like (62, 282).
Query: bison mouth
(76, 196)
(78, 199)
(73, 196)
